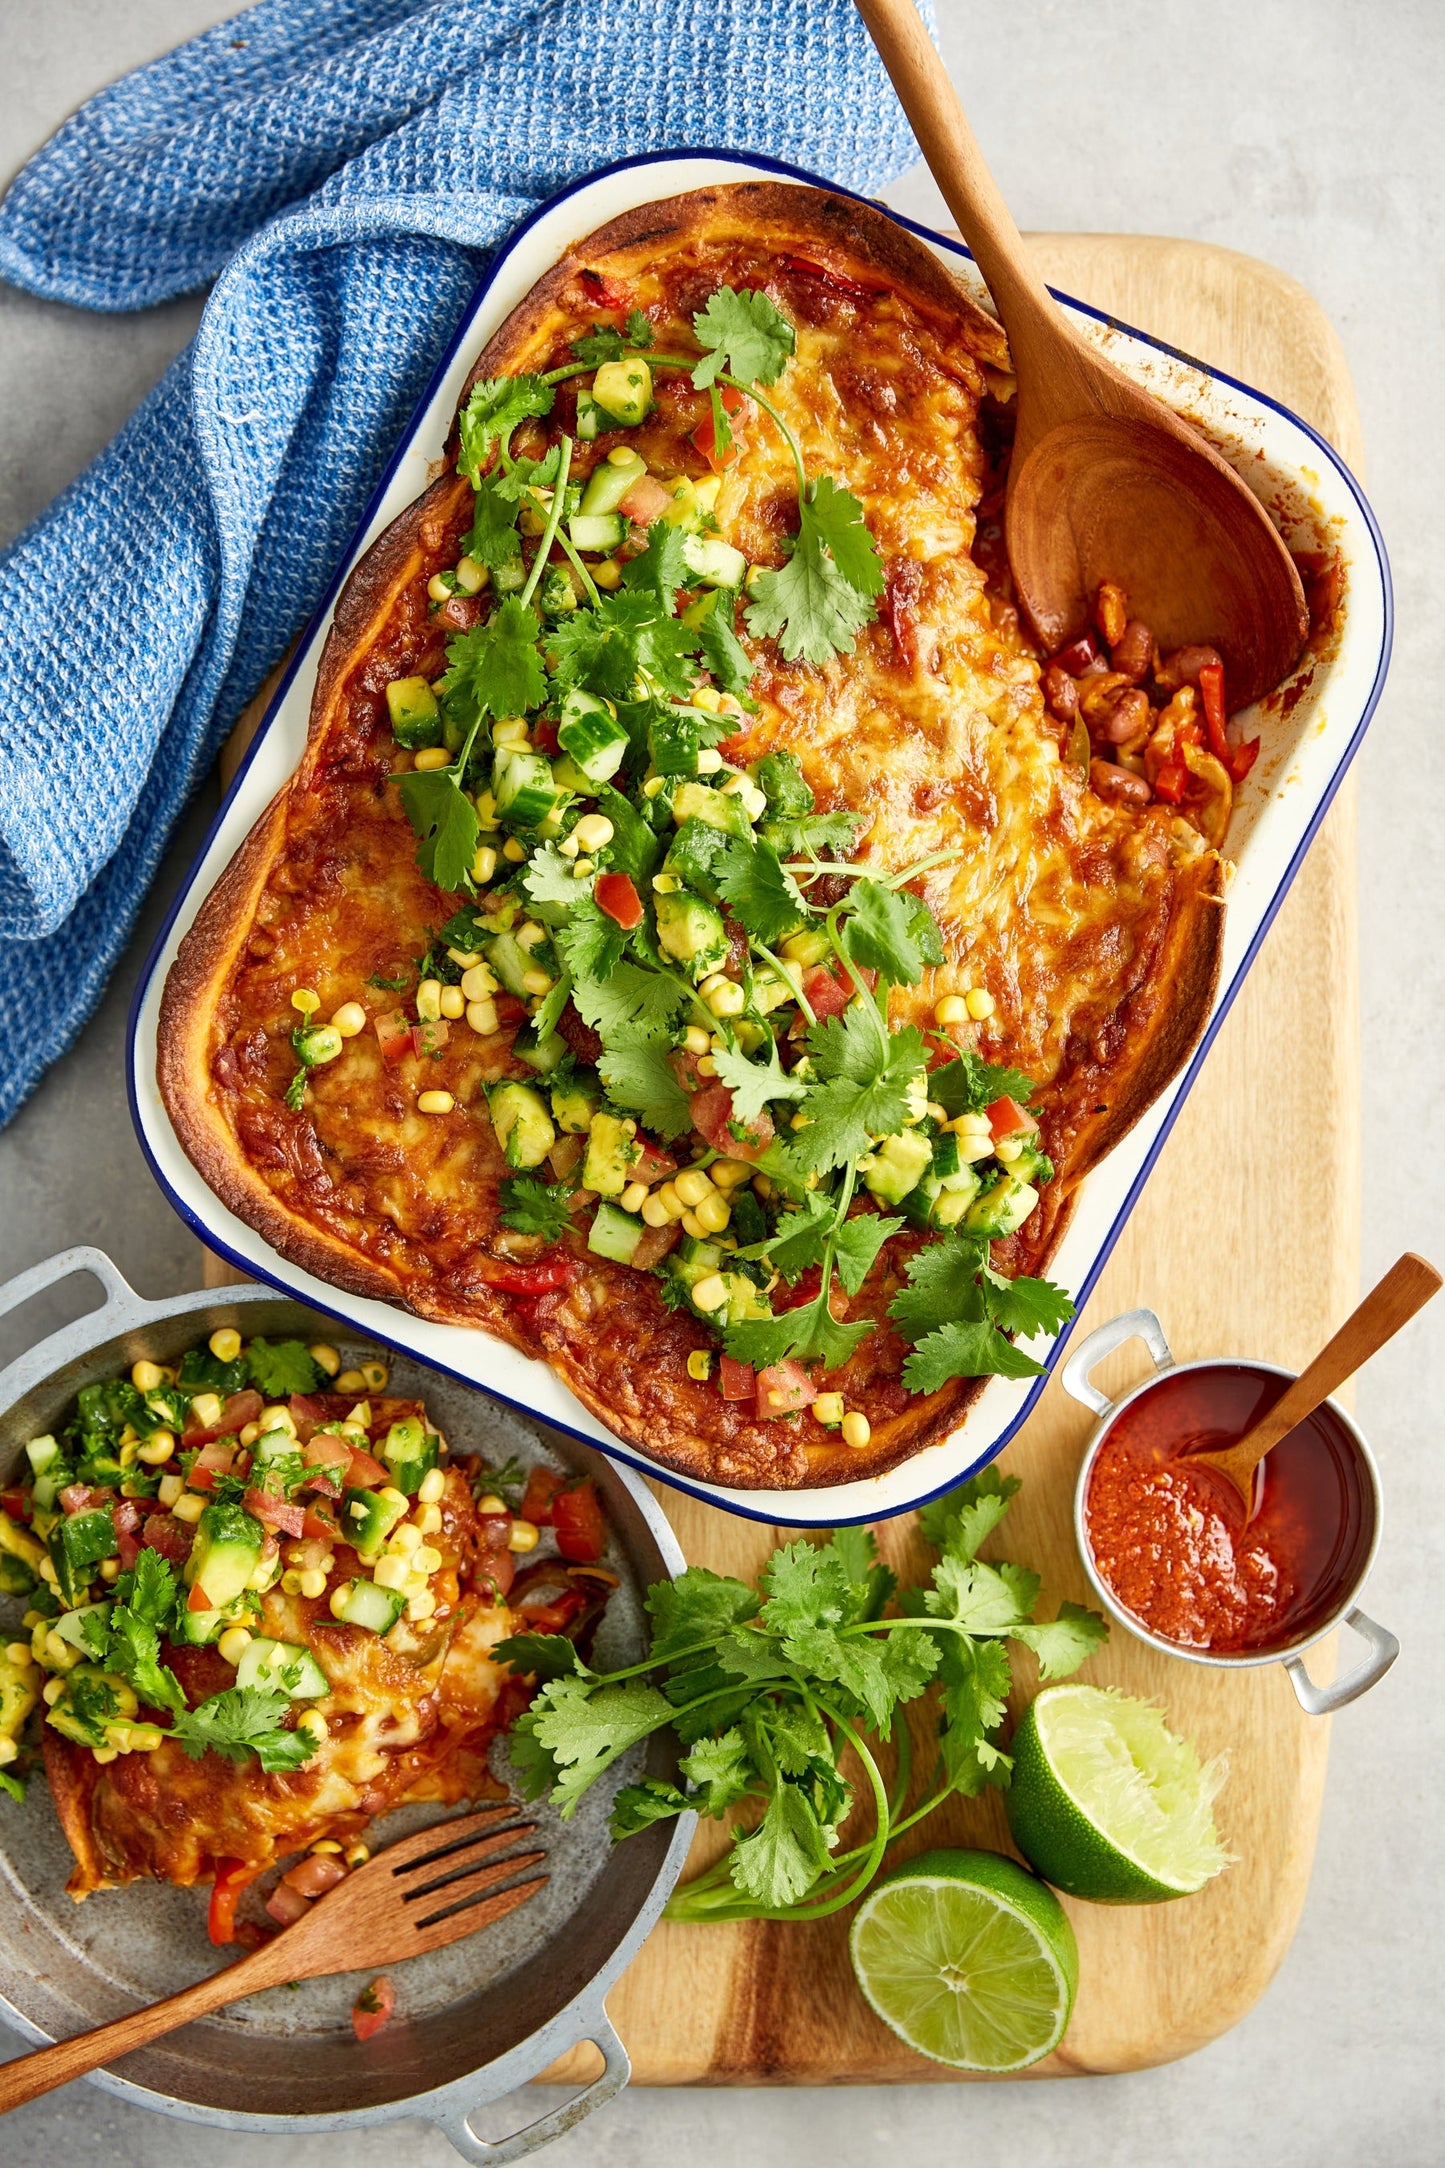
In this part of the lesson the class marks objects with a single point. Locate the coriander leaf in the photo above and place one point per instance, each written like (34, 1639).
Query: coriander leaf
(550, 884)
(1062, 1644)
(765, 898)
(524, 476)
(149, 1589)
(537, 1770)
(975, 1678)
(638, 1806)
(661, 568)
(818, 1336)
(783, 1857)
(829, 835)
(962, 1519)
(872, 1583)
(604, 343)
(603, 649)
(796, 1735)
(723, 651)
(629, 996)
(821, 599)
(585, 1728)
(867, 1099)
(755, 1656)
(638, 1074)
(279, 1368)
(807, 1584)
(926, 931)
(590, 942)
(1024, 1305)
(721, 1770)
(697, 1606)
(761, 1341)
(535, 1208)
(203, 1372)
(965, 1350)
(634, 846)
(801, 1236)
(546, 1014)
(856, 1249)
(982, 1599)
(244, 1720)
(943, 1286)
(497, 665)
(495, 406)
(754, 1083)
(493, 540)
(542, 1656)
(445, 822)
(857, 1666)
(879, 934)
(745, 333)
(968, 1085)
(847, 1046)
(12, 1786)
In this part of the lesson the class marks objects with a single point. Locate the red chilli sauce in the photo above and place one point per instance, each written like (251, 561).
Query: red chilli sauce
(1169, 1540)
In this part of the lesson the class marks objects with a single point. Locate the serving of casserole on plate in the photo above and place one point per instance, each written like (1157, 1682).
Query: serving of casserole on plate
(737, 955)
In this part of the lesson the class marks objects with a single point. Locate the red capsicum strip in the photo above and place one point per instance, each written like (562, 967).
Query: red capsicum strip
(1238, 759)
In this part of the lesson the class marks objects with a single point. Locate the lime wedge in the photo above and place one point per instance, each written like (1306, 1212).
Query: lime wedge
(969, 1958)
(1107, 1804)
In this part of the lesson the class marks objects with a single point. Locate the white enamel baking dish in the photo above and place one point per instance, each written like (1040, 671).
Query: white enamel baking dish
(1312, 495)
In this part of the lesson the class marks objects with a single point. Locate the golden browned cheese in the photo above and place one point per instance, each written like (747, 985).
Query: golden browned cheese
(1093, 926)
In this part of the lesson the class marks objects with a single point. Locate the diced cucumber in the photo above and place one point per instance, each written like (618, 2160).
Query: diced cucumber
(614, 1233)
(511, 577)
(691, 930)
(509, 960)
(416, 720)
(522, 1123)
(1002, 1209)
(896, 1165)
(367, 1519)
(40, 1452)
(612, 1152)
(524, 787)
(77, 1545)
(410, 1451)
(197, 1629)
(284, 1667)
(609, 482)
(544, 1054)
(693, 503)
(591, 737)
(623, 389)
(700, 802)
(70, 1624)
(226, 1552)
(716, 563)
(599, 533)
(694, 1258)
(273, 1445)
(573, 1106)
(590, 419)
(377, 1609)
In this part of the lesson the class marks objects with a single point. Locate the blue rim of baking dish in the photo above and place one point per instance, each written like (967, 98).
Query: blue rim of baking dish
(718, 1495)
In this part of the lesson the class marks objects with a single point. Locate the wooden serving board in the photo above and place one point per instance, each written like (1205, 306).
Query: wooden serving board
(1232, 1197)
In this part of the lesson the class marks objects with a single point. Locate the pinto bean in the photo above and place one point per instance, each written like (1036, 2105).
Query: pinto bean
(1099, 691)
(1134, 651)
(1183, 666)
(1118, 784)
(1061, 693)
(1128, 718)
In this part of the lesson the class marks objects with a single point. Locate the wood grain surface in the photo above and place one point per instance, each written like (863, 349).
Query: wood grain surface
(769, 2004)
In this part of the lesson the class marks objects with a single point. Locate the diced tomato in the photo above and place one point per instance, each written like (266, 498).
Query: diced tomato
(734, 748)
(217, 1458)
(712, 1115)
(75, 1498)
(1242, 758)
(274, 1512)
(238, 1410)
(606, 291)
(316, 1524)
(429, 1038)
(16, 1503)
(315, 1874)
(510, 1009)
(704, 436)
(232, 1876)
(646, 501)
(554, 1617)
(1171, 782)
(616, 896)
(172, 1538)
(372, 2007)
(287, 1905)
(783, 1388)
(535, 1279)
(806, 1289)
(577, 1519)
(1077, 656)
(653, 1244)
(326, 1450)
(1006, 1117)
(126, 1515)
(736, 1381)
(363, 1470)
(826, 994)
(544, 735)
(652, 1164)
(542, 1487)
(198, 1600)
(393, 1033)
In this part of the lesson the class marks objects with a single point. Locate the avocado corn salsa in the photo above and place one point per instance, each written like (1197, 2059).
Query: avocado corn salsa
(258, 1602)
(692, 965)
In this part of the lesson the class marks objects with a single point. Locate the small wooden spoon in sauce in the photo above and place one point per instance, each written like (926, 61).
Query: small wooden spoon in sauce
(1406, 1288)
(1106, 483)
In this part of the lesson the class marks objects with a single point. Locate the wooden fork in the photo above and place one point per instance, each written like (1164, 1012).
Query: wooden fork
(418, 1895)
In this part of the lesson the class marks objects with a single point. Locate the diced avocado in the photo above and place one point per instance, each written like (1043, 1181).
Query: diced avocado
(16, 1579)
(284, 1667)
(672, 743)
(573, 1106)
(715, 562)
(612, 1152)
(693, 503)
(1033, 1164)
(614, 1233)
(557, 594)
(952, 1199)
(77, 1544)
(91, 1699)
(410, 1451)
(367, 1519)
(896, 1165)
(523, 1125)
(1001, 1209)
(509, 960)
(695, 854)
(416, 720)
(48, 1465)
(700, 802)
(226, 1552)
(596, 532)
(377, 1609)
(197, 1629)
(544, 1054)
(693, 1260)
(610, 480)
(691, 930)
(509, 578)
(591, 737)
(745, 1302)
(524, 787)
(623, 389)
(783, 784)
(70, 1624)
(17, 1695)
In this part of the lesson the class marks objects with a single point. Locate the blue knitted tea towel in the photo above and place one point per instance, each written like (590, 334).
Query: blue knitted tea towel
(343, 172)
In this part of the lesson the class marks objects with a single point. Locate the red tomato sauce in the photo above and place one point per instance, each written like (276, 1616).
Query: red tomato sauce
(1170, 1542)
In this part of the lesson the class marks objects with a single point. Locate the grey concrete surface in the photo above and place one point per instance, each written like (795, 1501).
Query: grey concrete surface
(1305, 132)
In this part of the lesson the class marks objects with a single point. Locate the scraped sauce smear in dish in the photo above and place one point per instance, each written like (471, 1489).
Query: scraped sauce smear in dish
(1168, 1539)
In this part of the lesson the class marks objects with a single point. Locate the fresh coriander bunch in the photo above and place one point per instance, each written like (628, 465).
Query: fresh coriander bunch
(781, 1696)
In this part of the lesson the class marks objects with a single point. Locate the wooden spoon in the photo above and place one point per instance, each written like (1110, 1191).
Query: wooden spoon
(1406, 1288)
(1105, 483)
(393, 1907)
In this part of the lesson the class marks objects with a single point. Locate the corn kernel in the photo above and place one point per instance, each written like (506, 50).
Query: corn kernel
(431, 756)
(979, 1003)
(291, 1582)
(233, 1645)
(59, 1653)
(51, 1692)
(1008, 1149)
(710, 1293)
(471, 577)
(453, 1003)
(340, 1597)
(433, 1483)
(278, 1417)
(325, 1358)
(536, 981)
(594, 831)
(729, 1173)
(306, 999)
(674, 1203)
(479, 983)
(523, 1536)
(709, 760)
(429, 1519)
(159, 1450)
(47, 1571)
(857, 1429)
(484, 864)
(608, 574)
(391, 1571)
(110, 1567)
(696, 1040)
(692, 1225)
(693, 1184)
(19, 1653)
(482, 1017)
(145, 1377)
(439, 587)
(514, 850)
(953, 1009)
(714, 1213)
(426, 1560)
(726, 1000)
(171, 1488)
(324, 1845)
(654, 1212)
(699, 1365)
(634, 1197)
(314, 1722)
(145, 1738)
(435, 1103)
(429, 1000)
(763, 1185)
(105, 1754)
(189, 1506)
(421, 1606)
(313, 1582)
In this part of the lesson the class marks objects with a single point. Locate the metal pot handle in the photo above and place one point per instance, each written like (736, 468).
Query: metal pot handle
(1132, 1325)
(1323, 1700)
(121, 1299)
(615, 2072)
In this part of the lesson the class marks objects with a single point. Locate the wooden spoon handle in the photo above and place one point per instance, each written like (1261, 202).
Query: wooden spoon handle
(956, 162)
(1406, 1288)
(28, 2076)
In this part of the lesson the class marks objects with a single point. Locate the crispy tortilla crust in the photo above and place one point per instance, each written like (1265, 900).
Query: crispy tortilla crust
(1166, 1012)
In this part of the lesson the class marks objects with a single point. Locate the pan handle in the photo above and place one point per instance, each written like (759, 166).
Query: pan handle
(121, 1303)
(615, 2072)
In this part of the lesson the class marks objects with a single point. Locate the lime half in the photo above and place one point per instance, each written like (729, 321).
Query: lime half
(969, 1958)
(1107, 1804)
